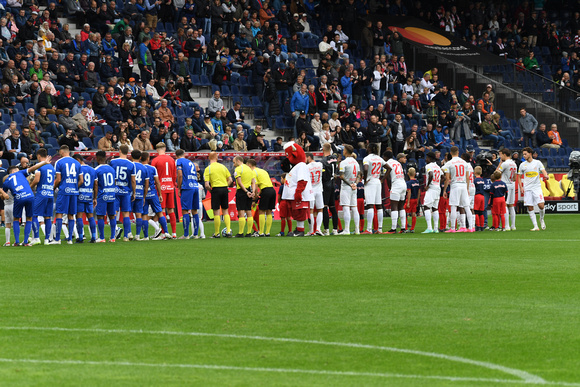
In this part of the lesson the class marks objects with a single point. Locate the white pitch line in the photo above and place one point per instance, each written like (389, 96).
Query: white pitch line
(525, 376)
(404, 238)
(283, 370)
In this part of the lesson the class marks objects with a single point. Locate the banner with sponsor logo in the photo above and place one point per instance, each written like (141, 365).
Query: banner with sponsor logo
(437, 41)
(562, 207)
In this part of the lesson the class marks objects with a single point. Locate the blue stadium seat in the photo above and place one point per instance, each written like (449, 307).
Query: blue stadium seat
(98, 131)
(87, 141)
(52, 141)
(5, 163)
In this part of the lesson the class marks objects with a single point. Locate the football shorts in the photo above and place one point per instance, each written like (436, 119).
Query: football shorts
(219, 198)
(105, 208)
(284, 209)
(431, 199)
(66, 204)
(398, 192)
(123, 202)
(348, 196)
(511, 195)
(479, 203)
(498, 206)
(168, 199)
(42, 206)
(152, 206)
(243, 202)
(9, 213)
(533, 197)
(328, 195)
(189, 199)
(317, 202)
(267, 199)
(412, 206)
(373, 194)
(86, 207)
(459, 196)
(137, 206)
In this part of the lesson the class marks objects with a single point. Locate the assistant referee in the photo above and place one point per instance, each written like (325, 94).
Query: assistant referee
(217, 180)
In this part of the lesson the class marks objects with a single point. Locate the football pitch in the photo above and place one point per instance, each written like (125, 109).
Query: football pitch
(480, 309)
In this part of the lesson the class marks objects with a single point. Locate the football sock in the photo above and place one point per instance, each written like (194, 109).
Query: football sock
(542, 213)
(163, 223)
(325, 218)
(216, 224)
(413, 222)
(269, 220)
(36, 227)
(93, 227)
(196, 224)
(289, 221)
(495, 220)
(461, 220)
(113, 225)
(428, 219)
(472, 220)
(71, 227)
(394, 218)
(145, 228)
(453, 216)
(241, 225)
(375, 221)
(283, 224)
(335, 220)
(469, 215)
(65, 230)
(442, 220)
(16, 227)
(43, 227)
(435, 220)
(7, 234)
(361, 220)
(502, 220)
(512, 211)
(154, 224)
(80, 227)
(356, 218)
(186, 221)
(27, 228)
(346, 216)
(127, 226)
(47, 228)
(403, 217)
(58, 229)
(201, 229)
(318, 221)
(300, 226)
(101, 225)
(533, 218)
(138, 226)
(250, 224)
(262, 223)
(227, 222)
(311, 218)
(256, 220)
(173, 222)
(380, 217)
(506, 219)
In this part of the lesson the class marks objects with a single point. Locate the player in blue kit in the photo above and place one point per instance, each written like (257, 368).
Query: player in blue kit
(44, 199)
(153, 199)
(125, 180)
(68, 180)
(479, 205)
(413, 188)
(187, 187)
(104, 195)
(497, 195)
(85, 200)
(18, 186)
(141, 186)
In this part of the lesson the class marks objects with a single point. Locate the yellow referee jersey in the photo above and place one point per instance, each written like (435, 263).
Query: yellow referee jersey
(262, 178)
(246, 174)
(217, 175)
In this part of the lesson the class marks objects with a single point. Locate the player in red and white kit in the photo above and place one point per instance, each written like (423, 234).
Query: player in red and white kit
(396, 182)
(372, 167)
(348, 171)
(529, 177)
(467, 158)
(431, 199)
(317, 203)
(509, 174)
(457, 175)
(166, 170)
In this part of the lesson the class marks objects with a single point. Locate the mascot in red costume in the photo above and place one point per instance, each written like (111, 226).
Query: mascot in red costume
(297, 189)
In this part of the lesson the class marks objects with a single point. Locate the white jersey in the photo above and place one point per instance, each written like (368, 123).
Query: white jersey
(509, 171)
(436, 181)
(531, 172)
(298, 173)
(471, 179)
(457, 169)
(397, 173)
(315, 168)
(349, 168)
(375, 166)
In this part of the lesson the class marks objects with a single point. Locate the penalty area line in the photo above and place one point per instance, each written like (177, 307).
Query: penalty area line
(280, 370)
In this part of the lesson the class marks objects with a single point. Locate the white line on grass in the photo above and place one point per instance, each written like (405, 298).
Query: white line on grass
(525, 376)
(284, 370)
(446, 240)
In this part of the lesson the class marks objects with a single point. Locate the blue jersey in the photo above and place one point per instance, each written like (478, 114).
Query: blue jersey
(498, 189)
(86, 190)
(107, 188)
(17, 184)
(69, 170)
(141, 176)
(45, 186)
(414, 186)
(151, 173)
(479, 185)
(487, 185)
(124, 169)
(189, 173)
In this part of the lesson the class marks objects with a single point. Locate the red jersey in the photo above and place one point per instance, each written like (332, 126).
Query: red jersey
(166, 170)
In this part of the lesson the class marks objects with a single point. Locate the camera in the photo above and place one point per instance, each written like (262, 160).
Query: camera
(575, 160)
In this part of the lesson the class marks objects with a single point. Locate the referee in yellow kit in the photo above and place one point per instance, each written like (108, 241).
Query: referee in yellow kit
(217, 180)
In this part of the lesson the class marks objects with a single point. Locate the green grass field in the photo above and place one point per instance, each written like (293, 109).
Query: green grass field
(483, 309)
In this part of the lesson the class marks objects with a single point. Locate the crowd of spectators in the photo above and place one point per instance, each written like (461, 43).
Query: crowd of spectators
(126, 77)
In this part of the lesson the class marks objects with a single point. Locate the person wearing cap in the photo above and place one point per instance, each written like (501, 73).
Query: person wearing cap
(489, 90)
(256, 139)
(485, 102)
(464, 96)
(113, 114)
(296, 26)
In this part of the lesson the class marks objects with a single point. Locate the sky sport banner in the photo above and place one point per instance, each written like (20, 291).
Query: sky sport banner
(424, 36)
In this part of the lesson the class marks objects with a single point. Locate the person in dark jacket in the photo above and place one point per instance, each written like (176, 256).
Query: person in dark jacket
(66, 99)
(47, 100)
(113, 114)
(188, 143)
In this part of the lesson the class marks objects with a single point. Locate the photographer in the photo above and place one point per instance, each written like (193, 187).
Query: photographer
(70, 139)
